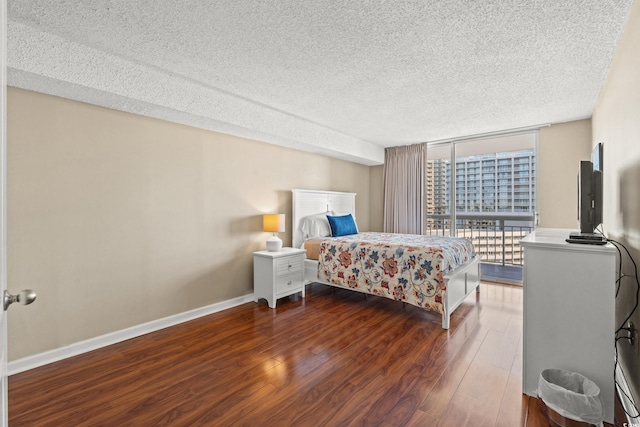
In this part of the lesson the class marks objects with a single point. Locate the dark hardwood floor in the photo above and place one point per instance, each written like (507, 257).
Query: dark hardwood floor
(334, 358)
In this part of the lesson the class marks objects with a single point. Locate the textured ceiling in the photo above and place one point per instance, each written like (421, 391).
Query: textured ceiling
(340, 77)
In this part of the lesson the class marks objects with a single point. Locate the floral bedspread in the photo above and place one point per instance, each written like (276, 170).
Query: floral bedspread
(404, 267)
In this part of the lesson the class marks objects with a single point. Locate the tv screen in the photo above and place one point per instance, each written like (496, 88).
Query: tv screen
(589, 197)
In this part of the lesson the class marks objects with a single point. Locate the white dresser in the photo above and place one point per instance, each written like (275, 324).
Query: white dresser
(278, 274)
(569, 299)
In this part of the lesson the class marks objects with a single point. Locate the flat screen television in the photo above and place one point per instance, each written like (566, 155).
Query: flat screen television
(589, 197)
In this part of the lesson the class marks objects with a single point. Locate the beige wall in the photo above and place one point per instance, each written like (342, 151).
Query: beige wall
(616, 123)
(117, 219)
(560, 148)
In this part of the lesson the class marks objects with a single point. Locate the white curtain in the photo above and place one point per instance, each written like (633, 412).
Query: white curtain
(404, 186)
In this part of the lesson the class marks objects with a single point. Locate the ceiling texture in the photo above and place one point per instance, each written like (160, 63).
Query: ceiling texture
(344, 78)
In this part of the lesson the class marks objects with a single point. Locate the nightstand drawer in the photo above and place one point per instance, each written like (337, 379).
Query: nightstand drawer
(288, 283)
(288, 265)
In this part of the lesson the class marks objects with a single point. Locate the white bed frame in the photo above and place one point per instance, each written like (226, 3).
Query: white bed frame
(460, 283)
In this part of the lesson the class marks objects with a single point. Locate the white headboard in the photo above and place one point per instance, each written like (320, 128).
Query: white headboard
(312, 202)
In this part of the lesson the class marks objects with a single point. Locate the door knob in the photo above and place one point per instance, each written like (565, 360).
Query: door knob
(24, 297)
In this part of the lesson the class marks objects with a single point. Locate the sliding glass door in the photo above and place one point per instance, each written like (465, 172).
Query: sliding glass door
(485, 190)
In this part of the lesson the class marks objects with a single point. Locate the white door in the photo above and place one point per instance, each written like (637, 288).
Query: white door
(3, 209)
(27, 296)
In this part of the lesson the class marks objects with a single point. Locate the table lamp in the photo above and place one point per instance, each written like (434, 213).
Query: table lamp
(273, 223)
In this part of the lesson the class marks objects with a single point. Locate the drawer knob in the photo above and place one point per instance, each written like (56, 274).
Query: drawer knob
(289, 283)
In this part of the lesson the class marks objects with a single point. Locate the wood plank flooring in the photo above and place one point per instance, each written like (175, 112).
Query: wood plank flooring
(335, 358)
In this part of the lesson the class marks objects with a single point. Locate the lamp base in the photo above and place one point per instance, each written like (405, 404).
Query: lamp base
(274, 244)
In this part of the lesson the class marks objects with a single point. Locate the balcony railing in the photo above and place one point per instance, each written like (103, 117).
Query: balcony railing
(496, 237)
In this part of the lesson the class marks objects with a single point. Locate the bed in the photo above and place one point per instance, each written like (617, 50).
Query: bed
(430, 272)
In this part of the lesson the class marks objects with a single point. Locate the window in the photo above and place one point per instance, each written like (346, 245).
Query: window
(489, 188)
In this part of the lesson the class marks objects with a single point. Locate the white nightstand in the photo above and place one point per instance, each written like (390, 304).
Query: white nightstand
(278, 274)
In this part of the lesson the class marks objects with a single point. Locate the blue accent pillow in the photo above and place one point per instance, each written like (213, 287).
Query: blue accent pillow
(342, 225)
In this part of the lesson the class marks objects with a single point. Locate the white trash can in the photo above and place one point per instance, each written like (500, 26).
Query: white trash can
(571, 395)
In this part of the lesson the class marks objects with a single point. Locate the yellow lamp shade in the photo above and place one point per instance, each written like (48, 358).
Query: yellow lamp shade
(273, 223)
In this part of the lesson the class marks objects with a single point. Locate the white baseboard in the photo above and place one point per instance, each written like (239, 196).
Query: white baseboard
(30, 362)
(626, 398)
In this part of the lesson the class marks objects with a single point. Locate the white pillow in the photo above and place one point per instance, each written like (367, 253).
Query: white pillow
(315, 226)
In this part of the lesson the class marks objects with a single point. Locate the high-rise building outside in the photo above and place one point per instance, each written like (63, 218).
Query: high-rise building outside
(494, 198)
(497, 182)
